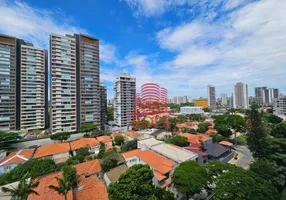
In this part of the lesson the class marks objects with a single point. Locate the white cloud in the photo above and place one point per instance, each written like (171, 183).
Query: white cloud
(153, 7)
(35, 25)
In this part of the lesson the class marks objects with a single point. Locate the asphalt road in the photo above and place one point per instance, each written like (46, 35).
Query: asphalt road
(41, 142)
(246, 158)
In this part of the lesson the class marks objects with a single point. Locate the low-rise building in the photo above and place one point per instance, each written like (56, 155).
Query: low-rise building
(197, 138)
(218, 152)
(105, 139)
(113, 175)
(59, 152)
(166, 150)
(91, 144)
(188, 110)
(14, 159)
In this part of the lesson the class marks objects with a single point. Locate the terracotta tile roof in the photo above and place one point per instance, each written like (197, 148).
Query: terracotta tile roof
(91, 167)
(210, 131)
(45, 193)
(167, 183)
(108, 147)
(197, 151)
(52, 149)
(180, 125)
(104, 139)
(133, 133)
(195, 139)
(17, 157)
(84, 142)
(159, 176)
(91, 189)
(154, 160)
(226, 143)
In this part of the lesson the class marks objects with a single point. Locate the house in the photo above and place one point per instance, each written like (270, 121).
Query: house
(133, 135)
(90, 187)
(197, 138)
(166, 150)
(59, 152)
(113, 175)
(162, 167)
(218, 152)
(14, 159)
(91, 144)
(105, 139)
(226, 144)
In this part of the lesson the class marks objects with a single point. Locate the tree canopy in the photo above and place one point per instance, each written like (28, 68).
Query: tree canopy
(88, 127)
(279, 131)
(273, 119)
(69, 174)
(136, 184)
(189, 178)
(110, 113)
(178, 140)
(128, 146)
(203, 127)
(119, 140)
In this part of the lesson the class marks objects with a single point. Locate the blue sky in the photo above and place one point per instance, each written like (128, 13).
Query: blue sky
(183, 45)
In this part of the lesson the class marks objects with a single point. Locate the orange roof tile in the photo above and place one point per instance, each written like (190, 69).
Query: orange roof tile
(108, 147)
(104, 139)
(45, 193)
(159, 176)
(180, 125)
(84, 142)
(167, 183)
(226, 143)
(52, 149)
(91, 167)
(133, 133)
(195, 139)
(91, 189)
(154, 160)
(17, 157)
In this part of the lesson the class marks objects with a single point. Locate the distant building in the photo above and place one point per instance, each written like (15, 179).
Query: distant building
(255, 101)
(187, 110)
(124, 99)
(211, 96)
(279, 106)
(265, 95)
(103, 105)
(240, 96)
(224, 98)
(201, 102)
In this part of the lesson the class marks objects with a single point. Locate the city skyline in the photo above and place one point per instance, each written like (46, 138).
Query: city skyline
(176, 40)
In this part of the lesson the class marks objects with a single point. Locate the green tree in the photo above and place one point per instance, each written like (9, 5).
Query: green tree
(279, 131)
(128, 146)
(83, 152)
(63, 187)
(274, 119)
(74, 160)
(88, 127)
(257, 134)
(203, 127)
(108, 163)
(267, 170)
(101, 150)
(136, 184)
(62, 136)
(24, 188)
(178, 140)
(223, 130)
(119, 140)
(190, 178)
(217, 137)
(69, 175)
(243, 184)
(110, 113)
(182, 118)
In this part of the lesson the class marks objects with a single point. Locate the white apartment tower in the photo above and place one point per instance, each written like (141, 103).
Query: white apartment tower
(63, 83)
(124, 99)
(240, 96)
(224, 98)
(279, 106)
(33, 89)
(211, 97)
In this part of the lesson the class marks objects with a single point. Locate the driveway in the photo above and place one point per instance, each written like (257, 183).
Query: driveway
(244, 157)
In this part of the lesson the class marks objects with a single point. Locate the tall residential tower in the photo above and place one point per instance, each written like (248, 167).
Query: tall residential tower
(211, 96)
(240, 96)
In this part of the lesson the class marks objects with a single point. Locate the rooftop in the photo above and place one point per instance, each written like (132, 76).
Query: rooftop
(104, 139)
(159, 176)
(226, 143)
(150, 142)
(115, 173)
(195, 139)
(133, 133)
(17, 157)
(216, 150)
(154, 160)
(83, 142)
(52, 149)
(90, 167)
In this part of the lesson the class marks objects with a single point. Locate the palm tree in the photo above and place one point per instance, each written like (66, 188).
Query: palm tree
(23, 189)
(63, 188)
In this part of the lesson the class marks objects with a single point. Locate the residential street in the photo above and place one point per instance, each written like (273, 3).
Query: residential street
(244, 157)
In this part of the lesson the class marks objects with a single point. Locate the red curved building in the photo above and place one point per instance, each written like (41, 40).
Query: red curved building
(164, 95)
(150, 92)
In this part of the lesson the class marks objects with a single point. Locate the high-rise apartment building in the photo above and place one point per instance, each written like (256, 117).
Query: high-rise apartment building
(63, 83)
(103, 105)
(88, 84)
(34, 87)
(75, 86)
(211, 97)
(224, 98)
(265, 95)
(23, 85)
(279, 106)
(240, 95)
(124, 99)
